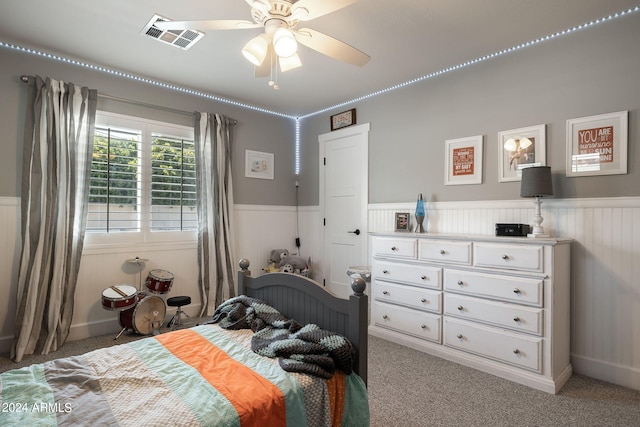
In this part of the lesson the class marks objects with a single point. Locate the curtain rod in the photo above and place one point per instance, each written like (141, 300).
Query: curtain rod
(25, 79)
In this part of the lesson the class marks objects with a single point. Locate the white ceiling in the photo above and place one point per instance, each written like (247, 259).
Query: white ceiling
(406, 39)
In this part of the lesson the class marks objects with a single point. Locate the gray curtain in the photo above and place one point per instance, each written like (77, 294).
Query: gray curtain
(215, 205)
(58, 145)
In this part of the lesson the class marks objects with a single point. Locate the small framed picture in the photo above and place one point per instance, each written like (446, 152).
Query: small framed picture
(258, 164)
(597, 145)
(519, 149)
(403, 221)
(344, 119)
(463, 161)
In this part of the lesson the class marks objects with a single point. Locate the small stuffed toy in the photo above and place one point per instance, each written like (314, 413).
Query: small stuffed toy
(296, 262)
(289, 263)
(278, 255)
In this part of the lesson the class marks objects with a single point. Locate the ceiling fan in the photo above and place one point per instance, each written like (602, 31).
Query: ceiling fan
(280, 19)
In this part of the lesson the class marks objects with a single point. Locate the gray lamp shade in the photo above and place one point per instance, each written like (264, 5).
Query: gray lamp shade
(536, 181)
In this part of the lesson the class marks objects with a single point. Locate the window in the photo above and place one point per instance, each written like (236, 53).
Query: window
(142, 178)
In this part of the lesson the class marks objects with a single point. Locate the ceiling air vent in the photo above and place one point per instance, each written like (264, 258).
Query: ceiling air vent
(183, 39)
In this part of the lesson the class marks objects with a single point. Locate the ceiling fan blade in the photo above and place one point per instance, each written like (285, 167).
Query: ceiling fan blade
(307, 10)
(331, 47)
(230, 24)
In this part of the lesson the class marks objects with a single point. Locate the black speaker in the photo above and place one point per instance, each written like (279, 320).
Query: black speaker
(512, 229)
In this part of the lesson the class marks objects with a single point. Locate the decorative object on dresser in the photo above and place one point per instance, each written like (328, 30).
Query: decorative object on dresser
(420, 214)
(536, 182)
(497, 304)
(403, 221)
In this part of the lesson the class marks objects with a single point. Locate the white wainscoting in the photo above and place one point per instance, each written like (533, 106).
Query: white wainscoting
(605, 289)
(605, 265)
(258, 230)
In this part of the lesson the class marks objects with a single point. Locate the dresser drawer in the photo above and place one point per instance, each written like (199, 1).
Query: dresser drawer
(395, 247)
(518, 350)
(419, 275)
(518, 290)
(416, 323)
(409, 296)
(444, 251)
(504, 315)
(505, 256)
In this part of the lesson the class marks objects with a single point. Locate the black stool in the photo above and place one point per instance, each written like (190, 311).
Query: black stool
(176, 320)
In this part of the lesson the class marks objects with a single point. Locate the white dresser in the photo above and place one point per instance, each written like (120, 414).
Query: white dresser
(497, 304)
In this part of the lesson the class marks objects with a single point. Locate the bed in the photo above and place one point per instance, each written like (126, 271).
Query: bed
(207, 375)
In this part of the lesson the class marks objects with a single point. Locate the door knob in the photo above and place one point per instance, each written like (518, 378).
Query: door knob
(356, 232)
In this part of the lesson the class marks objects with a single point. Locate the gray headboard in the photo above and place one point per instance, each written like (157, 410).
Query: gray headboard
(307, 301)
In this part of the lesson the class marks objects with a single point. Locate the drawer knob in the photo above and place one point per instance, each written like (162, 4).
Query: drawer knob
(516, 352)
(516, 291)
(385, 271)
(423, 300)
(516, 319)
(385, 317)
(459, 336)
(393, 248)
(423, 277)
(442, 252)
(460, 282)
(505, 257)
(460, 308)
(423, 326)
(385, 292)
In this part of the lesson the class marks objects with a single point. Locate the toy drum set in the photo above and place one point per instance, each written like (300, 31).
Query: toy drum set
(143, 311)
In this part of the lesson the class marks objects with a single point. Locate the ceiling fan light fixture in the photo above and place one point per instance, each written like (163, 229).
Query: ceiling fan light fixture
(256, 49)
(289, 62)
(284, 43)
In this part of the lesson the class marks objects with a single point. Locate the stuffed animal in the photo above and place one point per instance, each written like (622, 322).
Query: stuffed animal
(289, 263)
(278, 255)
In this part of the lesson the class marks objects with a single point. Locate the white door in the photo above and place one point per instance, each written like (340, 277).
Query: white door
(344, 191)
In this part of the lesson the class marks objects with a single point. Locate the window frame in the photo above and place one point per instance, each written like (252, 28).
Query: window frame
(145, 235)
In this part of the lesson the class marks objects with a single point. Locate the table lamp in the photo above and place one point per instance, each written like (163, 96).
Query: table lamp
(536, 182)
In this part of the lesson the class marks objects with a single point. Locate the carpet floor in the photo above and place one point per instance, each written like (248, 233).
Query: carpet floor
(410, 388)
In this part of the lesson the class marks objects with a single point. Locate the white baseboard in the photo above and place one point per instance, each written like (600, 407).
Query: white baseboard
(102, 327)
(616, 374)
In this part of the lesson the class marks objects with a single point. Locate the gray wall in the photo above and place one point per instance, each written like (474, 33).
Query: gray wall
(254, 131)
(590, 72)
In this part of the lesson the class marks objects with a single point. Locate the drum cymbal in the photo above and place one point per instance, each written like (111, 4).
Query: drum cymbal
(137, 260)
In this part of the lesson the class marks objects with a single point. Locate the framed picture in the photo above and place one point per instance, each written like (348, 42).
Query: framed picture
(344, 119)
(520, 148)
(258, 164)
(597, 145)
(403, 221)
(463, 161)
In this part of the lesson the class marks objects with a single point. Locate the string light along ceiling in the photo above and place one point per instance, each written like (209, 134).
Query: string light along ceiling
(298, 119)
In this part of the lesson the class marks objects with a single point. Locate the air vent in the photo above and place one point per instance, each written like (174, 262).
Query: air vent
(183, 39)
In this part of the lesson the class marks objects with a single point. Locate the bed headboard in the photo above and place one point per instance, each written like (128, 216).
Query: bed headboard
(307, 301)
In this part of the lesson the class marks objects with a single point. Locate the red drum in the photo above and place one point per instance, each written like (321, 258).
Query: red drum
(119, 297)
(141, 318)
(159, 281)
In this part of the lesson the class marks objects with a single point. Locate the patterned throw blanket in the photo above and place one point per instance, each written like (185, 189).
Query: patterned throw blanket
(306, 349)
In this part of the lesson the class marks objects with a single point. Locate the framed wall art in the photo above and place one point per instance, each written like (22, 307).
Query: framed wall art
(463, 160)
(520, 148)
(258, 164)
(344, 119)
(403, 221)
(597, 145)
